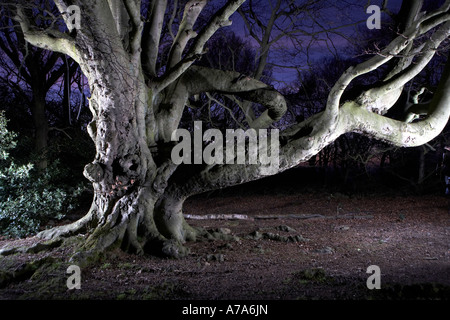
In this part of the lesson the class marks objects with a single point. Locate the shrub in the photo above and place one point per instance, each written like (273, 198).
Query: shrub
(29, 199)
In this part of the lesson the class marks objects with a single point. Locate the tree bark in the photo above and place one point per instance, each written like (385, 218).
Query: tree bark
(138, 190)
(40, 122)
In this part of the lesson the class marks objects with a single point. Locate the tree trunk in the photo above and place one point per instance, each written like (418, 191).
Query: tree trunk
(66, 114)
(135, 205)
(127, 182)
(41, 128)
(421, 171)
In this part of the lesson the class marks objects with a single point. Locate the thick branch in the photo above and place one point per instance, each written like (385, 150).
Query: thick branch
(50, 40)
(405, 134)
(409, 13)
(133, 11)
(373, 97)
(219, 20)
(393, 49)
(200, 79)
(185, 32)
(272, 100)
(62, 8)
(151, 37)
(301, 144)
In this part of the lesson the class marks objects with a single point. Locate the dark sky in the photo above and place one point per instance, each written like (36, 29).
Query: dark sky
(340, 12)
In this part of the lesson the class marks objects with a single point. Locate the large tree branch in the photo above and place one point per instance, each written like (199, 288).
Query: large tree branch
(355, 117)
(201, 79)
(133, 12)
(62, 8)
(272, 100)
(172, 19)
(373, 98)
(443, 9)
(50, 39)
(406, 134)
(186, 30)
(301, 146)
(220, 19)
(396, 47)
(303, 141)
(151, 37)
(121, 18)
(409, 13)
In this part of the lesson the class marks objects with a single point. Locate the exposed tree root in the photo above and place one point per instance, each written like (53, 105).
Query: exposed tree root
(216, 234)
(71, 229)
(130, 231)
(35, 248)
(276, 237)
(23, 272)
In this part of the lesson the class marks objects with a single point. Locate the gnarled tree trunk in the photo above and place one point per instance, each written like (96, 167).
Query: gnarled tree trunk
(139, 190)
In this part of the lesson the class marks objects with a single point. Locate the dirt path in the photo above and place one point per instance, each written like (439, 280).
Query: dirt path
(325, 257)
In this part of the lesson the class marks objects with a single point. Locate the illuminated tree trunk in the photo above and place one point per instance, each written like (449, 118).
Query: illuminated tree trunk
(139, 190)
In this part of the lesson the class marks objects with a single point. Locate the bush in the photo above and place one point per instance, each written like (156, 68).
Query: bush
(29, 199)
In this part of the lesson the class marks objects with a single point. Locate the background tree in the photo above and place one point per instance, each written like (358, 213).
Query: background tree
(139, 191)
(29, 69)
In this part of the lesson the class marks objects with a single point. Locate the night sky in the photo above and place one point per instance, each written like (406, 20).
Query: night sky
(340, 13)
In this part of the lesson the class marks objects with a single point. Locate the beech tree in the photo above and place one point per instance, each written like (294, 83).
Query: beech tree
(26, 67)
(137, 105)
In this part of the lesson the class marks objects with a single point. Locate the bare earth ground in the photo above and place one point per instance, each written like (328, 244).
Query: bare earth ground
(407, 237)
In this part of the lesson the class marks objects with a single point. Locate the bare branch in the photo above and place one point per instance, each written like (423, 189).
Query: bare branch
(50, 39)
(211, 98)
(172, 18)
(62, 8)
(392, 50)
(398, 81)
(151, 37)
(249, 26)
(400, 133)
(133, 10)
(220, 19)
(185, 32)
(228, 82)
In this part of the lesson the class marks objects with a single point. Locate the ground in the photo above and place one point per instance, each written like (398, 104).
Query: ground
(309, 246)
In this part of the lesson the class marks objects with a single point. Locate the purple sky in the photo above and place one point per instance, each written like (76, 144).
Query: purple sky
(349, 12)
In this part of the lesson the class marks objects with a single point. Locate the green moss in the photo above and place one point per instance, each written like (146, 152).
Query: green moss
(315, 275)
(122, 296)
(106, 265)
(127, 266)
(48, 280)
(165, 291)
